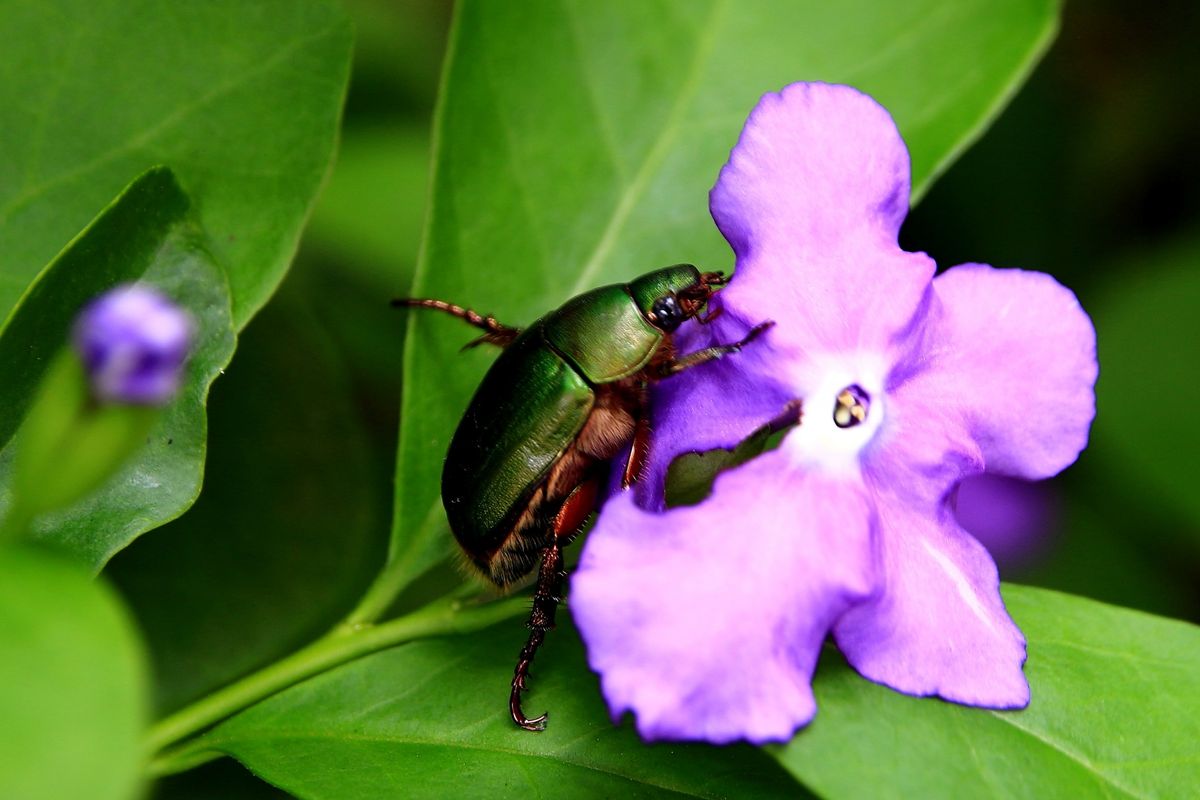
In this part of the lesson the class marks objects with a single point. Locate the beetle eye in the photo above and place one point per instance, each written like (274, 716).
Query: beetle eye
(667, 314)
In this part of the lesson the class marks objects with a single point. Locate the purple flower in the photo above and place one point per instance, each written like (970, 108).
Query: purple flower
(707, 621)
(133, 342)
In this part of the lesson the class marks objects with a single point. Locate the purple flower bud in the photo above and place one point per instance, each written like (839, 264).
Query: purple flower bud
(133, 342)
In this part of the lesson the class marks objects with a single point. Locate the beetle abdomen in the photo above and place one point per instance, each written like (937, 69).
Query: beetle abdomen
(526, 413)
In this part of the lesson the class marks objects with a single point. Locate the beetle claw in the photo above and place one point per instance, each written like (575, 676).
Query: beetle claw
(757, 330)
(514, 705)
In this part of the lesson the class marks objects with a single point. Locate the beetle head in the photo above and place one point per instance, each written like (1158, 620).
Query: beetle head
(670, 296)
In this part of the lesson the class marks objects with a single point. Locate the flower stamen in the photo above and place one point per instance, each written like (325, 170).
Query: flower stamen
(851, 407)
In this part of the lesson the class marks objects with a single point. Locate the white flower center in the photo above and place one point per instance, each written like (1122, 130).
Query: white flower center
(842, 410)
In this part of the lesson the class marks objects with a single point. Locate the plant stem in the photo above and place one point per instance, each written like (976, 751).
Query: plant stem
(344, 643)
(379, 595)
(189, 755)
(396, 574)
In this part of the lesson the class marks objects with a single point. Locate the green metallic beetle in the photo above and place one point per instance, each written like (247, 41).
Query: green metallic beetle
(568, 395)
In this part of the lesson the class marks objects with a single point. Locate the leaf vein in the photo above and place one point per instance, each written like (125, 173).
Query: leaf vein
(1078, 758)
(293, 735)
(602, 122)
(656, 154)
(164, 124)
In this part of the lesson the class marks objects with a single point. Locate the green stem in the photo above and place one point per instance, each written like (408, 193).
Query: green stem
(189, 755)
(391, 580)
(379, 595)
(445, 616)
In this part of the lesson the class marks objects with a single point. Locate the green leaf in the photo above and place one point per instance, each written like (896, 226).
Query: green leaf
(430, 719)
(73, 683)
(398, 50)
(1149, 342)
(1115, 713)
(146, 234)
(240, 99)
(576, 143)
(369, 216)
(290, 527)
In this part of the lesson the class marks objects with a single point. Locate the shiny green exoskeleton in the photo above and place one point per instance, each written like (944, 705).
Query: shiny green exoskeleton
(566, 396)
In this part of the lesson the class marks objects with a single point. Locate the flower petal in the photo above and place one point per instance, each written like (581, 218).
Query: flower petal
(938, 625)
(714, 405)
(811, 200)
(706, 621)
(1015, 354)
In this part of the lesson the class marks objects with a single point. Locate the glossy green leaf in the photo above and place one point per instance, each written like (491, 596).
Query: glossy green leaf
(73, 699)
(576, 143)
(289, 529)
(430, 719)
(1115, 713)
(1148, 336)
(147, 234)
(240, 99)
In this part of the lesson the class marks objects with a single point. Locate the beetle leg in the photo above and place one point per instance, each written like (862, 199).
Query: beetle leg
(678, 365)
(495, 332)
(541, 619)
(546, 597)
(639, 450)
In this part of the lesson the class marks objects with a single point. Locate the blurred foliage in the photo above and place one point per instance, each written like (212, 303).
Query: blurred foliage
(73, 677)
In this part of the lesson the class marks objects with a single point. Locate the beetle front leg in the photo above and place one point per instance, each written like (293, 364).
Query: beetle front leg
(678, 365)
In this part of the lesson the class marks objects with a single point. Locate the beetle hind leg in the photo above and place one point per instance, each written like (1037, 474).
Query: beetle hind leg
(495, 332)
(566, 523)
(541, 619)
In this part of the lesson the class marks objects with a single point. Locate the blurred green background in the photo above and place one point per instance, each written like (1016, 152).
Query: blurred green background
(1092, 174)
